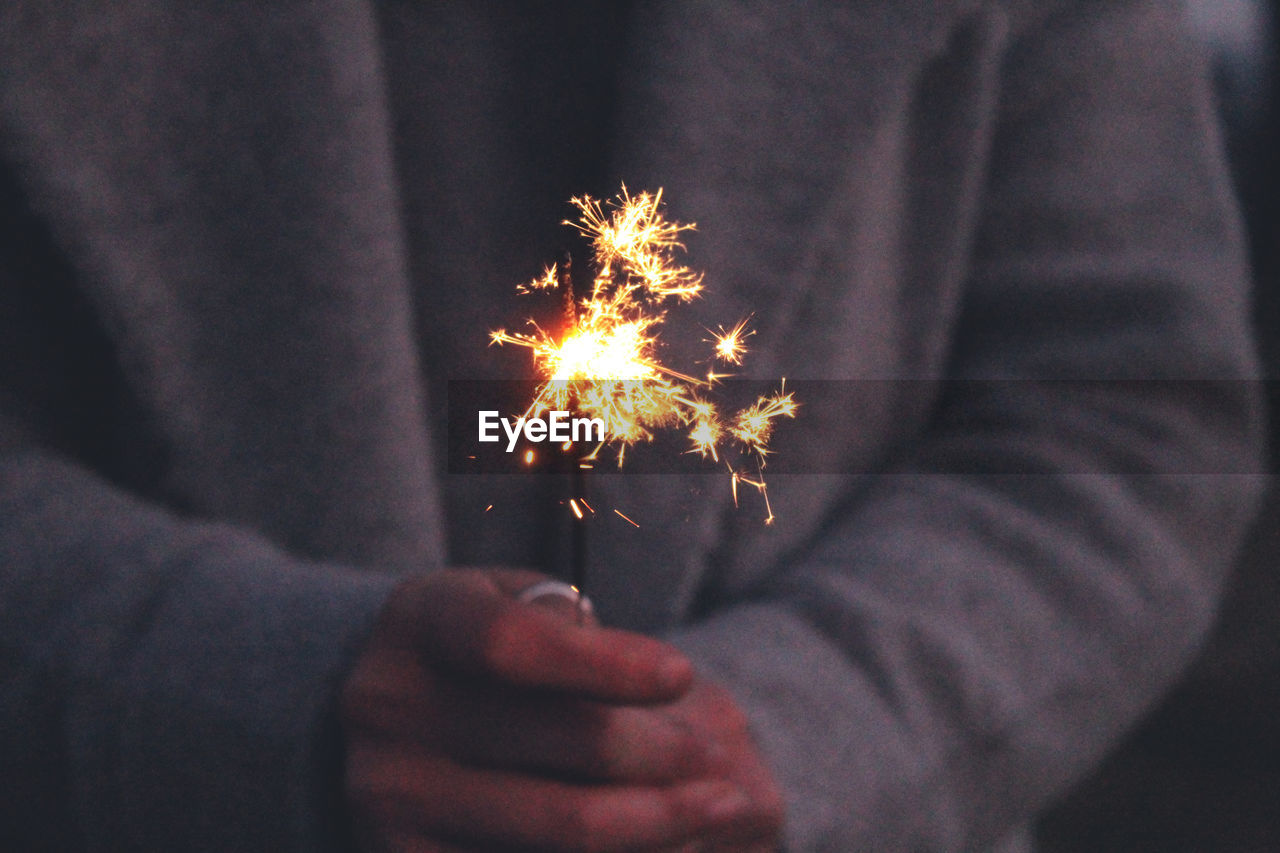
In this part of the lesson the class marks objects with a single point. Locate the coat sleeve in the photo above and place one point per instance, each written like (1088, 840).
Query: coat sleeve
(960, 644)
(166, 683)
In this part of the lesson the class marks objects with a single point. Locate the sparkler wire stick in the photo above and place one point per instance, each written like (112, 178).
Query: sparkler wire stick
(578, 544)
(577, 477)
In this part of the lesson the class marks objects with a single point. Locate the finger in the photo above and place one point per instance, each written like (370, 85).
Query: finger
(569, 737)
(761, 827)
(526, 730)
(482, 633)
(558, 597)
(473, 806)
(610, 745)
(711, 711)
(526, 646)
(493, 726)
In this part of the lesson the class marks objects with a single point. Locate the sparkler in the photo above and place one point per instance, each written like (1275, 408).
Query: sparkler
(604, 362)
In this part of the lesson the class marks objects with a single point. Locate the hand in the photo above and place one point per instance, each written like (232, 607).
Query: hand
(712, 716)
(474, 722)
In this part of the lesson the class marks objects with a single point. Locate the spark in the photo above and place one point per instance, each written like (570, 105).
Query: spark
(573, 505)
(753, 426)
(627, 520)
(548, 281)
(758, 484)
(705, 435)
(604, 364)
(729, 346)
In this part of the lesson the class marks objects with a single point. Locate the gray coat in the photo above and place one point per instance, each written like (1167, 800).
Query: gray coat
(214, 416)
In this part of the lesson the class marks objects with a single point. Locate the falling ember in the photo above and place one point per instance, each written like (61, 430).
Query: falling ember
(604, 364)
(626, 519)
(759, 485)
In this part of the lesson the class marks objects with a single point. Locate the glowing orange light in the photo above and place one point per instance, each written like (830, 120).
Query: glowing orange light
(605, 365)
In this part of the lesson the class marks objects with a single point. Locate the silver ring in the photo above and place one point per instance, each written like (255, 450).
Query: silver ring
(559, 589)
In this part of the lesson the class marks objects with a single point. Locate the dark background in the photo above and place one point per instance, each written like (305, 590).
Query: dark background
(1202, 773)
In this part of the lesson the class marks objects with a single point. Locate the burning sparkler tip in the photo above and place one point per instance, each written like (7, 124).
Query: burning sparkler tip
(605, 363)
